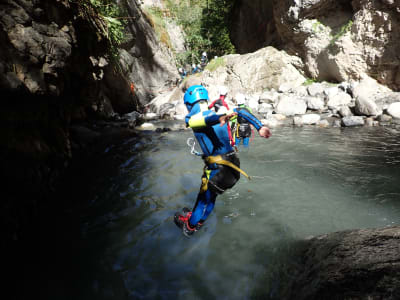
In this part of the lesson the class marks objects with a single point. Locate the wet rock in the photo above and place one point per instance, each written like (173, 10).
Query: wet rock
(344, 111)
(147, 126)
(353, 121)
(310, 119)
(323, 123)
(357, 264)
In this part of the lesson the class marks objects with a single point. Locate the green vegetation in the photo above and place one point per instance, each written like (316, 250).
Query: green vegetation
(155, 16)
(309, 81)
(215, 64)
(345, 28)
(112, 15)
(205, 23)
(317, 26)
(215, 26)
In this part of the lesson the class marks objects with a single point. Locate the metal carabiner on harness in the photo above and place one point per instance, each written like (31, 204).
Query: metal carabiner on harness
(191, 143)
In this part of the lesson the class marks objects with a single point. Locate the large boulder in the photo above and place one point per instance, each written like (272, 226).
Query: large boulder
(254, 73)
(251, 74)
(357, 264)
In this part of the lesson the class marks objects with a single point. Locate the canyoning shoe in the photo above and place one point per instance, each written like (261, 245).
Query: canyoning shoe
(181, 217)
(199, 225)
(187, 229)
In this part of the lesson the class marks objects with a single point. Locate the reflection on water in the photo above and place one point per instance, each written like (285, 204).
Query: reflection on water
(306, 181)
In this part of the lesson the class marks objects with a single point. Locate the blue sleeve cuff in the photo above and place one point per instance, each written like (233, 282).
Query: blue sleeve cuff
(212, 119)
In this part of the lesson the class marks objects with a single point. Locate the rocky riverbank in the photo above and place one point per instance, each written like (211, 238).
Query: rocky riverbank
(279, 94)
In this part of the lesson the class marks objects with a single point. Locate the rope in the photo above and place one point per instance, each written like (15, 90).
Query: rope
(191, 143)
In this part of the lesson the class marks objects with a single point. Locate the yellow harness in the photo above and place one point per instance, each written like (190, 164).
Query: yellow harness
(217, 159)
(220, 161)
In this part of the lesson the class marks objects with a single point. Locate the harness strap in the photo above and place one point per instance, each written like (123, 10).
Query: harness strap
(220, 161)
(204, 180)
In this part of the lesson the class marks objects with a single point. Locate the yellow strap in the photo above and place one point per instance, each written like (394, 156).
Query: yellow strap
(220, 161)
(204, 180)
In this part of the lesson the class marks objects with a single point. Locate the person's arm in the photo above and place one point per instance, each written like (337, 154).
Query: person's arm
(262, 130)
(200, 121)
(225, 104)
(212, 104)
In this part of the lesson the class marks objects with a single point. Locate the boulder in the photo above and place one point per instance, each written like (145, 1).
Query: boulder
(353, 121)
(366, 107)
(315, 103)
(310, 119)
(290, 106)
(338, 99)
(394, 110)
(353, 264)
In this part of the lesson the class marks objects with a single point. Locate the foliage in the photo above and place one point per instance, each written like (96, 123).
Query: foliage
(317, 26)
(345, 28)
(215, 27)
(205, 23)
(155, 16)
(215, 64)
(112, 14)
(309, 81)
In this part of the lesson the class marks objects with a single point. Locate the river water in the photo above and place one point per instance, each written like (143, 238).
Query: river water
(305, 182)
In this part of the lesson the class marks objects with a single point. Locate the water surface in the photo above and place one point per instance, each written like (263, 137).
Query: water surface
(305, 182)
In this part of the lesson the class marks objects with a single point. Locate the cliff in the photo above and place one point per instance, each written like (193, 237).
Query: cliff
(59, 83)
(337, 40)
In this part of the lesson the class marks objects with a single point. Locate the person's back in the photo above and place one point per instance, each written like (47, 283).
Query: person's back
(212, 141)
(220, 102)
(242, 126)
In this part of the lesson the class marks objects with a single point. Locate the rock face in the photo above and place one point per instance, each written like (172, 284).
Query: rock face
(253, 26)
(359, 264)
(148, 63)
(337, 40)
(55, 72)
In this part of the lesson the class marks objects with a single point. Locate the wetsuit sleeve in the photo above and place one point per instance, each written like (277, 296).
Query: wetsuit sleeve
(225, 104)
(244, 113)
(198, 121)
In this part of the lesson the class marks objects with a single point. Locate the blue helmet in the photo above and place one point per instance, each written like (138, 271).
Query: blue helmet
(194, 94)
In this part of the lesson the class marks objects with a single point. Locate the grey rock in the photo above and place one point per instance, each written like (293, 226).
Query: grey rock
(353, 264)
(353, 121)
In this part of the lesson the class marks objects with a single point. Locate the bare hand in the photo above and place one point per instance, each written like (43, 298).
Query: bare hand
(225, 118)
(264, 132)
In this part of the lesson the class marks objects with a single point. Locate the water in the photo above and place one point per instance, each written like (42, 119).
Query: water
(306, 181)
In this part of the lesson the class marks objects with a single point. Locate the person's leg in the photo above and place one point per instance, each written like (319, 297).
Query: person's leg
(237, 141)
(204, 206)
(190, 221)
(246, 141)
(205, 200)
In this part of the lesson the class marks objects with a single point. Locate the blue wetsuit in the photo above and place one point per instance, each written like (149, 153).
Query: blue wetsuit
(243, 128)
(214, 140)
